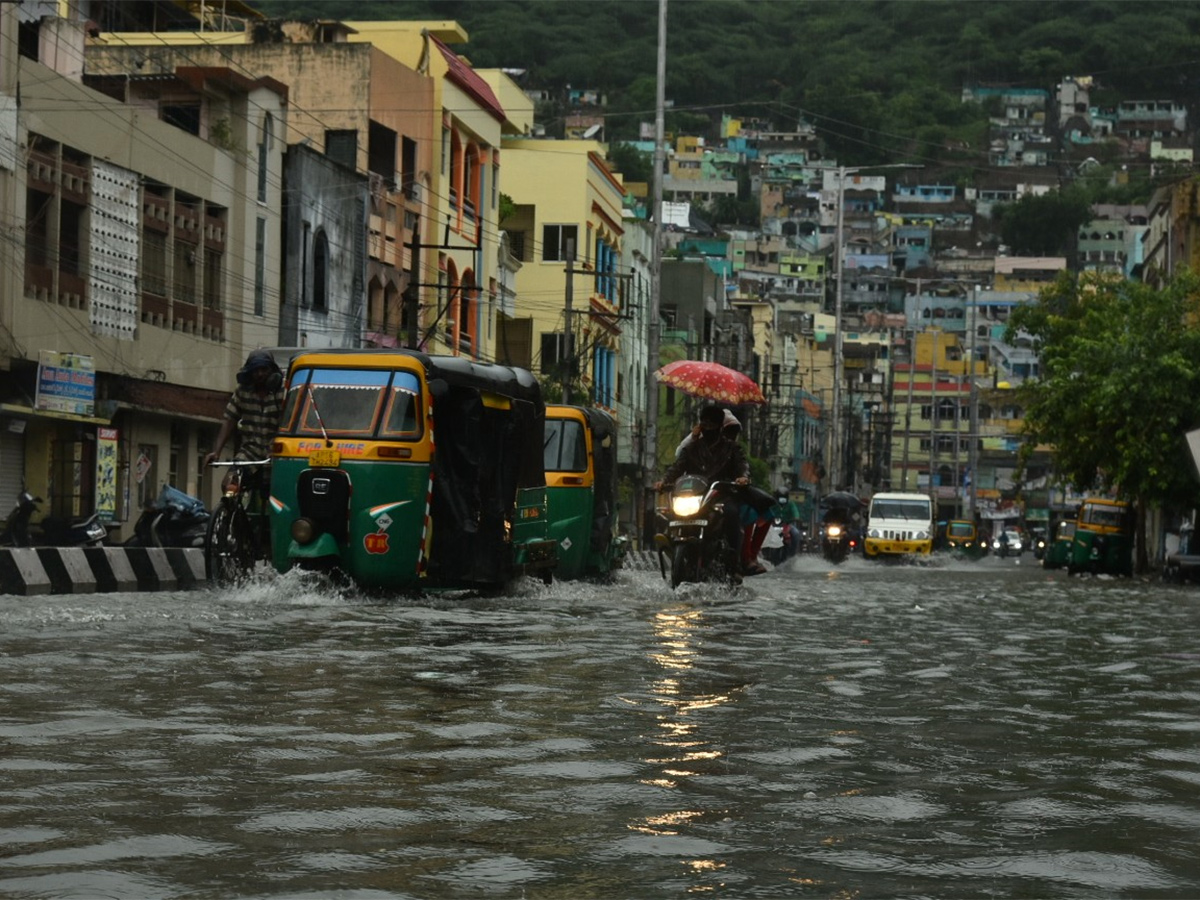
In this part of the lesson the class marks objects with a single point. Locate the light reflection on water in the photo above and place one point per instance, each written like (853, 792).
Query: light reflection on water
(947, 730)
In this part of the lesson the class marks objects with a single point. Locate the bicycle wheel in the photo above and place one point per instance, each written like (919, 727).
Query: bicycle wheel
(228, 548)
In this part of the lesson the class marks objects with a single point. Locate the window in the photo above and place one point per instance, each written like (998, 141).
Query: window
(558, 242)
(554, 352)
(408, 166)
(320, 275)
(470, 187)
(185, 116)
(565, 448)
(264, 149)
(260, 266)
(342, 147)
(154, 262)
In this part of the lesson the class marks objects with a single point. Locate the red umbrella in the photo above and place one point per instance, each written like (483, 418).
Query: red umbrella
(711, 381)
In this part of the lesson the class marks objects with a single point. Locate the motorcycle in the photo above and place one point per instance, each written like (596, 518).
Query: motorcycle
(174, 519)
(837, 541)
(57, 531)
(702, 537)
(16, 526)
(775, 545)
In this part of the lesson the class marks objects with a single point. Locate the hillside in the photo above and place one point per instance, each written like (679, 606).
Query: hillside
(879, 79)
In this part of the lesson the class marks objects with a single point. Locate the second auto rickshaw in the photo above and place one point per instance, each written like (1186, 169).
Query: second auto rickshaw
(580, 458)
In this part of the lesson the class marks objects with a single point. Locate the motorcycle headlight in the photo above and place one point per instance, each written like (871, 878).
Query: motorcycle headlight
(685, 505)
(834, 530)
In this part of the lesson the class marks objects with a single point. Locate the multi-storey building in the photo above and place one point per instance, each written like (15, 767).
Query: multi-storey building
(139, 279)
(349, 240)
(572, 287)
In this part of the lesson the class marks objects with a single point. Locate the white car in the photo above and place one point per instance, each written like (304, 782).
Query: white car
(1016, 542)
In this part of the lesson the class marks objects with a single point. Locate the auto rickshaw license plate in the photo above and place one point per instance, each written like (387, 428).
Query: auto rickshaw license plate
(325, 459)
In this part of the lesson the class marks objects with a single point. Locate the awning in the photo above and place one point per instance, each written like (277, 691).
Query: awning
(17, 409)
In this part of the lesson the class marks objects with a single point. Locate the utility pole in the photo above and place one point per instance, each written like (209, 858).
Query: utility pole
(837, 338)
(412, 291)
(912, 368)
(650, 450)
(973, 446)
(569, 348)
(933, 416)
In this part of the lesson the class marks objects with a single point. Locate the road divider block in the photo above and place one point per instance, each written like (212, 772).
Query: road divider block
(68, 569)
(112, 569)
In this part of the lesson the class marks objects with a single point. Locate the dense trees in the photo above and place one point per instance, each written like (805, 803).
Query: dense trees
(1118, 387)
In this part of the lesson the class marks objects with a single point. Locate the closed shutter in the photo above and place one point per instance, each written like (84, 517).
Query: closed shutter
(12, 467)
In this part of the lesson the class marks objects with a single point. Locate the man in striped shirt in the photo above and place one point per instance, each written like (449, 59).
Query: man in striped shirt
(253, 410)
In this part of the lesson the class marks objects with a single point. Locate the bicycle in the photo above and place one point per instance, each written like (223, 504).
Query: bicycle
(240, 525)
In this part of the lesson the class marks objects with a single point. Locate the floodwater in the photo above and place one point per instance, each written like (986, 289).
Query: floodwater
(950, 730)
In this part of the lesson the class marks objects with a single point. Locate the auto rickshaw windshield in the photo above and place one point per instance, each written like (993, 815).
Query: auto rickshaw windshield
(1104, 516)
(359, 403)
(565, 446)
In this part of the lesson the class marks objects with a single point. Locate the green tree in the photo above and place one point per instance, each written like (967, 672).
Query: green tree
(1043, 225)
(1119, 386)
(632, 163)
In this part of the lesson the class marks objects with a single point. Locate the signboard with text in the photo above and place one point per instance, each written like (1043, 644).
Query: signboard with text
(66, 383)
(106, 473)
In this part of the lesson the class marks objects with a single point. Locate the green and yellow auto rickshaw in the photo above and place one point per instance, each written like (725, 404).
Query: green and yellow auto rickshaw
(1058, 552)
(403, 471)
(580, 459)
(1103, 539)
(962, 539)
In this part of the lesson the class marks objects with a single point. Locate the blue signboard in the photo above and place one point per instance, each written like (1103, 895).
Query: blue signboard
(66, 383)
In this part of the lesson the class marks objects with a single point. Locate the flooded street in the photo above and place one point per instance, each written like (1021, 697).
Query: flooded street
(945, 731)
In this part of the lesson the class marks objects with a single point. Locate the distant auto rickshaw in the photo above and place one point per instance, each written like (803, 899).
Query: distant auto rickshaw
(962, 539)
(1058, 551)
(580, 459)
(404, 471)
(1103, 540)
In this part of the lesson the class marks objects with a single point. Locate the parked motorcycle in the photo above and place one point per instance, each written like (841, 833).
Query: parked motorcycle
(174, 519)
(16, 527)
(57, 531)
(702, 533)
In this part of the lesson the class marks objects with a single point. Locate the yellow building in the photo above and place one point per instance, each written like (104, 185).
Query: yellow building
(461, 238)
(568, 218)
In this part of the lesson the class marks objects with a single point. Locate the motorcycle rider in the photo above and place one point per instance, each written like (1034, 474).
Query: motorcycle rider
(788, 513)
(715, 456)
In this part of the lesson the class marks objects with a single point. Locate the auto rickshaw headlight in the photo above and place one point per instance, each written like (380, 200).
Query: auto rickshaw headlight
(304, 531)
(684, 505)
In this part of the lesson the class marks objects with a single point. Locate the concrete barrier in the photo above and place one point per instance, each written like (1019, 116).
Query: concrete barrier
(28, 571)
(112, 569)
(68, 569)
(22, 572)
(153, 571)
